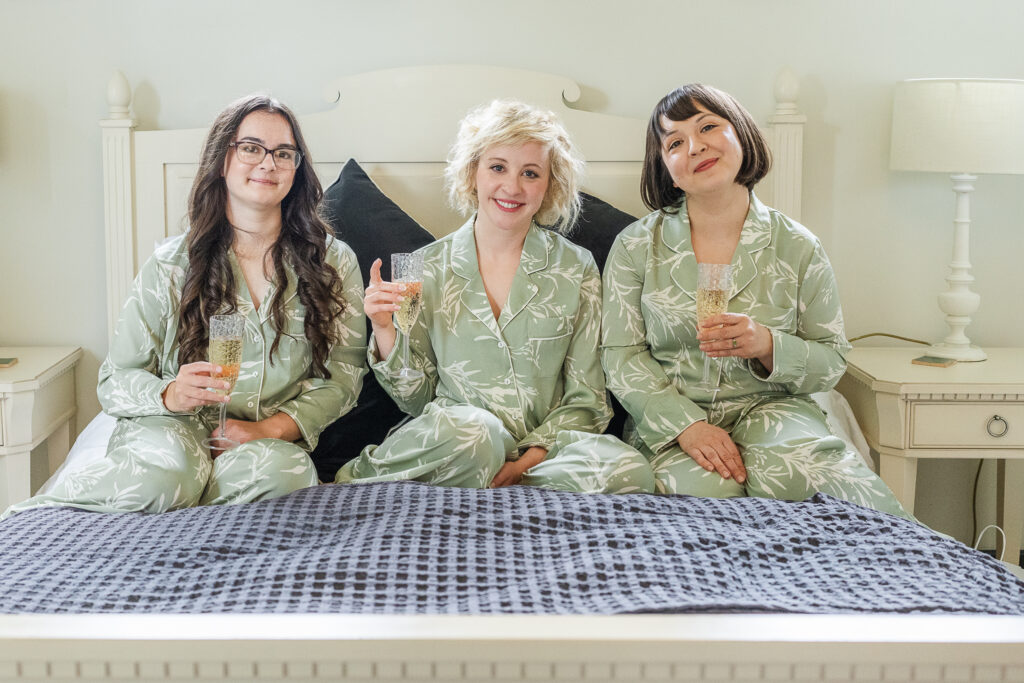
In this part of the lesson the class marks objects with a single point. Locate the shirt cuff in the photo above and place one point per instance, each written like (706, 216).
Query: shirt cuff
(789, 360)
(310, 440)
(665, 419)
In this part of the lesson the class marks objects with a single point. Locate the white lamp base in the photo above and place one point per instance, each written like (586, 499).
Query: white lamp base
(959, 302)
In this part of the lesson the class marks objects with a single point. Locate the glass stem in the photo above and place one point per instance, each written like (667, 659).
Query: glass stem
(405, 350)
(223, 417)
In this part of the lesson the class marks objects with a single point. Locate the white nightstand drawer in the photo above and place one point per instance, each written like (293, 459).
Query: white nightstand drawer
(968, 424)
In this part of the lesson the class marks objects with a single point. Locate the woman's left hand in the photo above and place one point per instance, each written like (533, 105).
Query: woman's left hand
(279, 426)
(511, 473)
(735, 334)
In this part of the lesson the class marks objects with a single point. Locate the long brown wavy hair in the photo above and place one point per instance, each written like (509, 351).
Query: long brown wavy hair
(209, 283)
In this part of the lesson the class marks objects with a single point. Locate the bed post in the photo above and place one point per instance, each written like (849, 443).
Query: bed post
(787, 145)
(118, 196)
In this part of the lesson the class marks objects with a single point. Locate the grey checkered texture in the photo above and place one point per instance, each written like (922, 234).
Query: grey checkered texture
(402, 548)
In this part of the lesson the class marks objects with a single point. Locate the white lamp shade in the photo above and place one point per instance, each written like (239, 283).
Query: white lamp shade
(958, 126)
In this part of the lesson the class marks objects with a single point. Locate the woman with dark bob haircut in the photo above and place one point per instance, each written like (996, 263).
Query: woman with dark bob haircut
(256, 247)
(758, 433)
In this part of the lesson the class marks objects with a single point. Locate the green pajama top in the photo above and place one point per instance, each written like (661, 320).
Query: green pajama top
(537, 367)
(781, 278)
(143, 356)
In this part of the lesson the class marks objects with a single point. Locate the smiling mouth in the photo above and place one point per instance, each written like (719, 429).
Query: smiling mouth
(507, 205)
(262, 181)
(705, 165)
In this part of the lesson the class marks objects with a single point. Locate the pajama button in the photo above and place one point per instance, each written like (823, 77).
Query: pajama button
(251, 404)
(501, 345)
(508, 381)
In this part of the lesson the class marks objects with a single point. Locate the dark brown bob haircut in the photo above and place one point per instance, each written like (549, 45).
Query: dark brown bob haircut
(656, 186)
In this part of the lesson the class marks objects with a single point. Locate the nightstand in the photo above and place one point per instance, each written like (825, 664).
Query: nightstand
(968, 410)
(37, 404)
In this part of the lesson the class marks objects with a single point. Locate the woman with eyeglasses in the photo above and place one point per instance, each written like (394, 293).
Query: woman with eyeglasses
(256, 246)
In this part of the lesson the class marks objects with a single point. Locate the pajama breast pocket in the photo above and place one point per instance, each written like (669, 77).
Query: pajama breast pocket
(294, 346)
(549, 341)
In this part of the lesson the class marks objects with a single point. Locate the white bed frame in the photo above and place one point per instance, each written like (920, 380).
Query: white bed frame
(147, 176)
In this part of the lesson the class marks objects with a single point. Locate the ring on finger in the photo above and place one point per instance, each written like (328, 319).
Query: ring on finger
(735, 343)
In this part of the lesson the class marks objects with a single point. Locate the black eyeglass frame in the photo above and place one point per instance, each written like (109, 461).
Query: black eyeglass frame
(297, 153)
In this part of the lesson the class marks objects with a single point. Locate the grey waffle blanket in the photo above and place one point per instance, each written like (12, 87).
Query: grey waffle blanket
(406, 548)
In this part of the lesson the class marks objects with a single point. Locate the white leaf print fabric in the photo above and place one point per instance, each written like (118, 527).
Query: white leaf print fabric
(783, 280)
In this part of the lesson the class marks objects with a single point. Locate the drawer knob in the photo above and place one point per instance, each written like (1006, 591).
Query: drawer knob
(997, 426)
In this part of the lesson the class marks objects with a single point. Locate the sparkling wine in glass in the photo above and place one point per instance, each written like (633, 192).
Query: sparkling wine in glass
(225, 350)
(408, 269)
(714, 286)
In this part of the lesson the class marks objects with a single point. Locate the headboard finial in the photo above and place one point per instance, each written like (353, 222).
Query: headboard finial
(787, 91)
(119, 96)
(571, 93)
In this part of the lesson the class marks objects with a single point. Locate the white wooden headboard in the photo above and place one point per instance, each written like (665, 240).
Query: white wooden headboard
(147, 174)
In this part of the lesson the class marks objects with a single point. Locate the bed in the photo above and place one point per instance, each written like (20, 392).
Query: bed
(955, 614)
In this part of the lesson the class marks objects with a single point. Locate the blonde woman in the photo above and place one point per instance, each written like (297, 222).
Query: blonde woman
(512, 390)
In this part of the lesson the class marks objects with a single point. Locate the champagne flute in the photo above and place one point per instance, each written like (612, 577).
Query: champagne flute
(714, 285)
(408, 269)
(225, 350)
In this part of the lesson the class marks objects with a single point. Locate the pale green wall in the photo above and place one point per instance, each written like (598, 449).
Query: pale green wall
(888, 234)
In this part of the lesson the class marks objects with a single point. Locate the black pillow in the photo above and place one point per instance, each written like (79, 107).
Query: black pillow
(375, 227)
(598, 225)
(365, 219)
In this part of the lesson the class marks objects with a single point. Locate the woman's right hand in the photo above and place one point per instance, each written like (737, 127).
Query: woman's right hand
(713, 449)
(380, 302)
(190, 389)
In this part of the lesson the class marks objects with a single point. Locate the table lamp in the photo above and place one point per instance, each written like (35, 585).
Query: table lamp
(963, 127)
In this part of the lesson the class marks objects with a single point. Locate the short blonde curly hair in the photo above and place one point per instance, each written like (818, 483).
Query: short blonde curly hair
(508, 122)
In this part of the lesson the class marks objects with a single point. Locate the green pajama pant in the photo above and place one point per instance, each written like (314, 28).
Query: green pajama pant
(158, 463)
(789, 453)
(462, 445)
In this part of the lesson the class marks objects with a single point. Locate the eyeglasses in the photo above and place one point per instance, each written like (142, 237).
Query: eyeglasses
(249, 152)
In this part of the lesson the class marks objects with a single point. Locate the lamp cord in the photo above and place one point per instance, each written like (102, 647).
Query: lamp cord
(886, 334)
(974, 499)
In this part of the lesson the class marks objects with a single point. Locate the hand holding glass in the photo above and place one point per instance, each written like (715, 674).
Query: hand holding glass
(225, 350)
(714, 286)
(408, 269)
